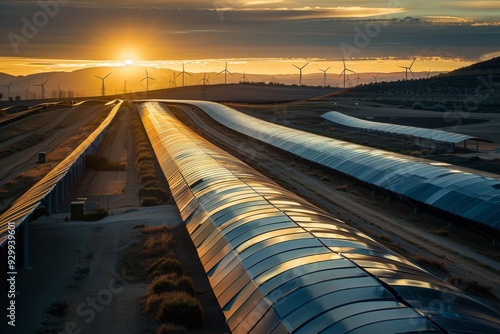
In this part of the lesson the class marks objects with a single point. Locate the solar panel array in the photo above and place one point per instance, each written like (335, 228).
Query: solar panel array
(468, 195)
(430, 134)
(278, 264)
(24, 206)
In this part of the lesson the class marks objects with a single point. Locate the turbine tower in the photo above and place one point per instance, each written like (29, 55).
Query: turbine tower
(225, 71)
(8, 89)
(344, 72)
(43, 88)
(183, 72)
(125, 87)
(358, 79)
(409, 69)
(349, 81)
(244, 77)
(28, 92)
(300, 69)
(324, 76)
(376, 77)
(147, 78)
(102, 79)
(205, 79)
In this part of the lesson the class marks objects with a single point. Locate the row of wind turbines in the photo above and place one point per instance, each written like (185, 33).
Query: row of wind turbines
(27, 90)
(171, 82)
(206, 79)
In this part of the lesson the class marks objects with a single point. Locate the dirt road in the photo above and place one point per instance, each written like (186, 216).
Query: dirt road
(60, 128)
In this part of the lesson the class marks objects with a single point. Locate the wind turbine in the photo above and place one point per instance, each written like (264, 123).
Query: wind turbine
(125, 87)
(8, 89)
(344, 72)
(43, 88)
(376, 77)
(358, 79)
(102, 79)
(324, 76)
(183, 72)
(429, 73)
(225, 71)
(170, 82)
(300, 69)
(244, 77)
(205, 79)
(349, 81)
(28, 92)
(147, 78)
(409, 69)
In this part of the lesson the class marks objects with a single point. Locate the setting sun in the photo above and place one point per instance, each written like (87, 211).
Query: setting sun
(128, 62)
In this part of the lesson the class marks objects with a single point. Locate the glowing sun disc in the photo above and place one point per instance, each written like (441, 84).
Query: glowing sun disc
(128, 62)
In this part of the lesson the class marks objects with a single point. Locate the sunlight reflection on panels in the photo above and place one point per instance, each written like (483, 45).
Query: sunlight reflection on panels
(278, 264)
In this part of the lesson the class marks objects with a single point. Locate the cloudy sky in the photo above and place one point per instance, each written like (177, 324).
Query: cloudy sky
(67, 34)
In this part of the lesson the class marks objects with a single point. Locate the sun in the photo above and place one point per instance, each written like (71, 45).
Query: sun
(129, 62)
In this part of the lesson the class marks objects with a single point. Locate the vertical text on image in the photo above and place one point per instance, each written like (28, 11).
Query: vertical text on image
(11, 274)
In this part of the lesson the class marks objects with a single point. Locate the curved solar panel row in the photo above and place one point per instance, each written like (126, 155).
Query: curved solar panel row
(472, 196)
(23, 207)
(435, 135)
(278, 264)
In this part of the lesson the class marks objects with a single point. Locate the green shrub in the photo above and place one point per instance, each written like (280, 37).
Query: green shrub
(165, 266)
(181, 309)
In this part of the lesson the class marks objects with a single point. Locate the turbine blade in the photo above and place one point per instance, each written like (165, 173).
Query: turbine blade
(107, 75)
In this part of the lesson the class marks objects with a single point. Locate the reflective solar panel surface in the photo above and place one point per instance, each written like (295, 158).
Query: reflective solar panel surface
(278, 264)
(19, 211)
(417, 179)
(436, 135)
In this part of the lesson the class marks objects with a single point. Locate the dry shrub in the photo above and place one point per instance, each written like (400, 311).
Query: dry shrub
(170, 329)
(165, 266)
(157, 246)
(157, 229)
(472, 287)
(153, 302)
(431, 264)
(181, 309)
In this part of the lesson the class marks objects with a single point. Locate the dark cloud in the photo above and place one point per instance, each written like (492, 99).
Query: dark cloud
(94, 33)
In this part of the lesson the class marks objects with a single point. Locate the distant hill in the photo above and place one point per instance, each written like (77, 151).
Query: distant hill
(83, 83)
(475, 88)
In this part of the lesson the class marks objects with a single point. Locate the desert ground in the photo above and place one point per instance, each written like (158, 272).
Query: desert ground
(72, 261)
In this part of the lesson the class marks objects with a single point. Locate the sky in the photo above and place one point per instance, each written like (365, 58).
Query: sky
(255, 36)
